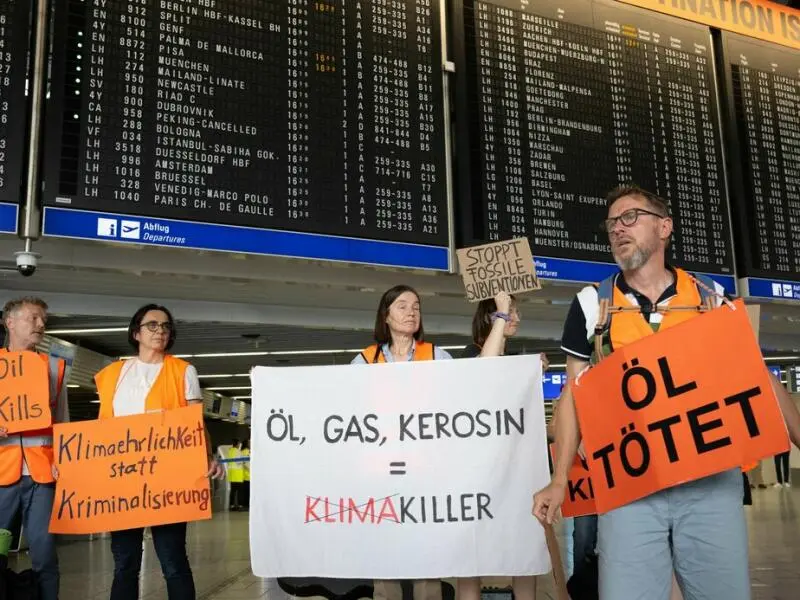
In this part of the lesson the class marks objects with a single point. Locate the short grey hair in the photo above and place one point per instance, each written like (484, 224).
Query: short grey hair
(14, 305)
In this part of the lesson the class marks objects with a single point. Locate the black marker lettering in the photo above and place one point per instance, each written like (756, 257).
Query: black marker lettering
(669, 381)
(699, 429)
(603, 454)
(743, 400)
(665, 427)
(649, 381)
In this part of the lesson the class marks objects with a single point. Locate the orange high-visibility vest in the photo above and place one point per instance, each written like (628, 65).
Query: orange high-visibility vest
(630, 326)
(35, 447)
(422, 351)
(168, 391)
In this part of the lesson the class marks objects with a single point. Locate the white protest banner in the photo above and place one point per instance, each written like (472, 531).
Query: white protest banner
(497, 267)
(399, 470)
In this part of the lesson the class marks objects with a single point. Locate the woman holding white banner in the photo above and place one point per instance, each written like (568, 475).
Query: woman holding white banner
(494, 322)
(153, 381)
(399, 337)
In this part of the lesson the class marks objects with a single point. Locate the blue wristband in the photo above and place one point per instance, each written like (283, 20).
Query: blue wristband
(500, 315)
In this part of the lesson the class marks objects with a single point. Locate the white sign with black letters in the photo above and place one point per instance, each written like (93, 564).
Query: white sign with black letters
(400, 470)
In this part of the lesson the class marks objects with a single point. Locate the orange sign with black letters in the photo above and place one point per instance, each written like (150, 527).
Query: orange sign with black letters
(761, 19)
(691, 401)
(128, 472)
(24, 392)
(579, 499)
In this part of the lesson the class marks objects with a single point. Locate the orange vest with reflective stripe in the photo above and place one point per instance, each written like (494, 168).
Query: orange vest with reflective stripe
(422, 351)
(39, 457)
(168, 391)
(630, 326)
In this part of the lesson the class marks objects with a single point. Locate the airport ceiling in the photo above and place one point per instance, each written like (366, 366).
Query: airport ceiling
(252, 310)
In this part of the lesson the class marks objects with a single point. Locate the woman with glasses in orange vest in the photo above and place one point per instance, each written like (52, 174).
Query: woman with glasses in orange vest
(399, 337)
(151, 382)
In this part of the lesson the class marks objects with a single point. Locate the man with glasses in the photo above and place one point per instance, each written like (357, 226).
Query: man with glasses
(698, 528)
(27, 482)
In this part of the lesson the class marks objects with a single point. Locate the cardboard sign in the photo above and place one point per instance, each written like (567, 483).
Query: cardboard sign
(691, 401)
(761, 19)
(24, 392)
(498, 267)
(579, 499)
(128, 472)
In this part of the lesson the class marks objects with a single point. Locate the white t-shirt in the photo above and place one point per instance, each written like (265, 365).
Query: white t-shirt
(135, 381)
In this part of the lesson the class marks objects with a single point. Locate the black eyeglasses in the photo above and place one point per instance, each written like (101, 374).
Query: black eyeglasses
(628, 218)
(153, 326)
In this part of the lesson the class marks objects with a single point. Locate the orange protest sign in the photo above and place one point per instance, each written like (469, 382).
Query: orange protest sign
(688, 402)
(131, 472)
(579, 499)
(24, 392)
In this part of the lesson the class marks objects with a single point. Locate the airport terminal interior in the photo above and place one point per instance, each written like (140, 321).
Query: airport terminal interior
(267, 169)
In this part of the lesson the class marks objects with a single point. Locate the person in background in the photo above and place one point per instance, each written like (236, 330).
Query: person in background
(153, 381)
(399, 337)
(782, 469)
(235, 475)
(27, 474)
(495, 321)
(246, 482)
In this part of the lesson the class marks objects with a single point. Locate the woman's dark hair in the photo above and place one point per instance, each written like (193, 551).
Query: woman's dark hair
(381, 333)
(136, 325)
(482, 321)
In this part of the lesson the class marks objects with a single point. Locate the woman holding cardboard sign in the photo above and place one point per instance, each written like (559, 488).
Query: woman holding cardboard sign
(494, 322)
(153, 381)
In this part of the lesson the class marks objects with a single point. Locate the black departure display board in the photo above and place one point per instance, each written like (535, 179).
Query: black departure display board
(567, 99)
(763, 83)
(307, 116)
(15, 16)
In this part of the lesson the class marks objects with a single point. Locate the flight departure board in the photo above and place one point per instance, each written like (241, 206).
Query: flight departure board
(763, 82)
(305, 116)
(15, 18)
(566, 99)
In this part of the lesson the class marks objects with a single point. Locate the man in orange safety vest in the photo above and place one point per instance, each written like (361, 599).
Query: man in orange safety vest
(27, 483)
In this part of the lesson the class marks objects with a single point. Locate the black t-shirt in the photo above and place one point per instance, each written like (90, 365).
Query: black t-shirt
(474, 350)
(471, 351)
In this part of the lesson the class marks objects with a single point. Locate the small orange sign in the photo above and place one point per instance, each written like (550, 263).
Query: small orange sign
(691, 401)
(761, 19)
(128, 472)
(579, 499)
(24, 392)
